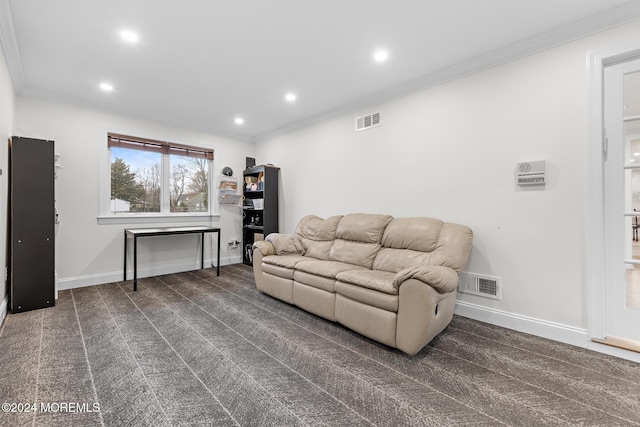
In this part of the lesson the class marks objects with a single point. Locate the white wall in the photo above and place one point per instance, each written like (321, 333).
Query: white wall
(7, 102)
(89, 253)
(450, 152)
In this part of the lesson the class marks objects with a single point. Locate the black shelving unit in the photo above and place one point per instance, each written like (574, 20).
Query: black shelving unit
(260, 206)
(31, 231)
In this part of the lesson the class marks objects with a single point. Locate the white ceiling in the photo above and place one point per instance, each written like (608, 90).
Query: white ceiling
(200, 64)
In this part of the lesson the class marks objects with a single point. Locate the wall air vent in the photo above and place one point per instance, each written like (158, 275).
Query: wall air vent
(368, 121)
(479, 284)
(530, 173)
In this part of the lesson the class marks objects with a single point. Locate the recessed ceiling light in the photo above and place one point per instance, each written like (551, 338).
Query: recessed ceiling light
(636, 154)
(239, 120)
(106, 87)
(129, 36)
(290, 97)
(381, 55)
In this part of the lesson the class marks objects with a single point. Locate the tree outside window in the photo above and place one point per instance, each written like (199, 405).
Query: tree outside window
(135, 181)
(189, 184)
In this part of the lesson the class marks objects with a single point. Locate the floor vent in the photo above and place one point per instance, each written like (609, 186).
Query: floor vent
(366, 122)
(479, 284)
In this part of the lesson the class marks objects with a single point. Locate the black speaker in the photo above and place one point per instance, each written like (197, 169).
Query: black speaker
(250, 162)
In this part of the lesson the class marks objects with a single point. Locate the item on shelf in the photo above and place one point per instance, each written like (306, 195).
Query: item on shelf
(260, 185)
(258, 203)
(253, 203)
(250, 181)
(248, 252)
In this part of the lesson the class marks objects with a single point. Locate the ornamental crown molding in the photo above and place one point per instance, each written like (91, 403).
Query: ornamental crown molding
(9, 45)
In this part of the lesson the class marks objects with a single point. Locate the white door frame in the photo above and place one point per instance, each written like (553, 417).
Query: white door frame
(594, 237)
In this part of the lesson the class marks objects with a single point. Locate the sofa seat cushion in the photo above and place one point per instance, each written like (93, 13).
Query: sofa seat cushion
(381, 281)
(318, 282)
(326, 268)
(368, 296)
(287, 261)
(276, 270)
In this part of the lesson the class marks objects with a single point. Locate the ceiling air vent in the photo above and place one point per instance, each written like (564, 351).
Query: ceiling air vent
(478, 284)
(366, 122)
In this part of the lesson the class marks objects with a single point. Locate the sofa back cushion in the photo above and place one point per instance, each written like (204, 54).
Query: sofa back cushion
(414, 242)
(418, 234)
(454, 246)
(317, 235)
(395, 260)
(358, 238)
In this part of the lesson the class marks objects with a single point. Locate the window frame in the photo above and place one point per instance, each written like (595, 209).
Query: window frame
(165, 215)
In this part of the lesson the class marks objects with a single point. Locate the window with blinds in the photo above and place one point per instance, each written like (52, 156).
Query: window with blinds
(143, 144)
(158, 177)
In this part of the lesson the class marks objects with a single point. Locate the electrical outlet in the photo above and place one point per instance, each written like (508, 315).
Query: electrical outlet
(233, 244)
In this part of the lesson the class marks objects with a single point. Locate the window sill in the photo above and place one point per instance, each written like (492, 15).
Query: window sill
(154, 219)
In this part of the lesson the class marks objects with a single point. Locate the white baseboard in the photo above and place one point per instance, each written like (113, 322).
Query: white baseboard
(3, 309)
(143, 271)
(614, 351)
(530, 325)
(542, 328)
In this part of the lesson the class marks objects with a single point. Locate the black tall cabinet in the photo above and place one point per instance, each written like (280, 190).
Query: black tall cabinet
(260, 210)
(31, 224)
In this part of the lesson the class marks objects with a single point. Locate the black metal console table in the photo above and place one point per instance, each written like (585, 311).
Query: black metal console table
(165, 231)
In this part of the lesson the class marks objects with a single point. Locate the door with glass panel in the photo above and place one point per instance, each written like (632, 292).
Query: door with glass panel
(622, 201)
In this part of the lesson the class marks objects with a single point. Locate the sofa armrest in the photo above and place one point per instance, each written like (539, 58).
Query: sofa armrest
(442, 279)
(285, 244)
(265, 248)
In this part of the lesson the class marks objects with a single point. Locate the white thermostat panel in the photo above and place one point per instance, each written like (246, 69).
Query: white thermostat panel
(531, 173)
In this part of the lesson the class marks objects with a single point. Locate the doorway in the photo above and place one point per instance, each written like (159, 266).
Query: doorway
(613, 251)
(622, 201)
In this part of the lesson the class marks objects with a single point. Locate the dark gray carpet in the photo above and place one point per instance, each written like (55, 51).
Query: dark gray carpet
(196, 349)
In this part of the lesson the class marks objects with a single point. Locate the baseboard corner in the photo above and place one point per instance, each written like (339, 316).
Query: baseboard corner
(4, 309)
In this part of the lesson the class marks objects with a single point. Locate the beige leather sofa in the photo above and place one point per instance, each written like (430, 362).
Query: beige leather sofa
(391, 279)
